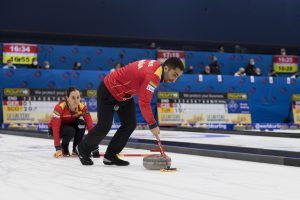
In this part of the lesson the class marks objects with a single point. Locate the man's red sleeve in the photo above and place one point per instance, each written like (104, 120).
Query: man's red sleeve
(144, 99)
(56, 123)
(87, 118)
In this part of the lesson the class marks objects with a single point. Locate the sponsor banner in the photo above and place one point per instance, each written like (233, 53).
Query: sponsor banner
(237, 96)
(27, 126)
(90, 93)
(16, 92)
(35, 106)
(285, 64)
(19, 53)
(267, 126)
(212, 126)
(202, 108)
(168, 95)
(238, 106)
(220, 126)
(296, 108)
(194, 95)
(44, 126)
(296, 97)
(189, 118)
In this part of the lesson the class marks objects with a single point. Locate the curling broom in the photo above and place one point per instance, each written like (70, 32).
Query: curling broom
(166, 169)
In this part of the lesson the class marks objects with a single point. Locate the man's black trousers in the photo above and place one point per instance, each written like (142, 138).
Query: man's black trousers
(106, 106)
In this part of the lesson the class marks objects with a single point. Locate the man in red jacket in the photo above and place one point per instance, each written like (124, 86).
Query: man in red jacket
(66, 123)
(115, 94)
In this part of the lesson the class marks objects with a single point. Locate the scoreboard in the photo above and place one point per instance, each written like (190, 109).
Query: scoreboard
(23, 107)
(196, 109)
(19, 53)
(285, 64)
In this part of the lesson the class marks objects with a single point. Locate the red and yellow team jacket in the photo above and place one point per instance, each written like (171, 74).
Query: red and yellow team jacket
(62, 115)
(136, 79)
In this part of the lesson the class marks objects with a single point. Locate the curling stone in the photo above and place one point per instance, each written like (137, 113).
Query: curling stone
(155, 162)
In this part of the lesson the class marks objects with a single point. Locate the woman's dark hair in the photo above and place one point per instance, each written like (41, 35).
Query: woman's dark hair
(174, 63)
(71, 89)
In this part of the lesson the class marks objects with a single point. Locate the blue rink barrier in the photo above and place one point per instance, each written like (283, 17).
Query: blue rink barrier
(269, 102)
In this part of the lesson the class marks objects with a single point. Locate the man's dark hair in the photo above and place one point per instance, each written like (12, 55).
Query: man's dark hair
(174, 63)
(71, 89)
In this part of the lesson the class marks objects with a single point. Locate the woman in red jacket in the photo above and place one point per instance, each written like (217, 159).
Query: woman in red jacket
(69, 120)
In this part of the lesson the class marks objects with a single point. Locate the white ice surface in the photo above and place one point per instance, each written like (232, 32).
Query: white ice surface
(29, 172)
(275, 143)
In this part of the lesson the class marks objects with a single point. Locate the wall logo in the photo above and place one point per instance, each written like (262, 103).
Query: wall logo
(146, 54)
(9, 73)
(252, 90)
(210, 89)
(264, 100)
(99, 51)
(87, 60)
(187, 88)
(273, 99)
(49, 49)
(62, 59)
(242, 80)
(74, 51)
(37, 74)
(76, 75)
(110, 61)
(66, 75)
(24, 84)
(264, 81)
(200, 65)
(89, 86)
(101, 76)
(231, 89)
(282, 91)
(233, 106)
(51, 85)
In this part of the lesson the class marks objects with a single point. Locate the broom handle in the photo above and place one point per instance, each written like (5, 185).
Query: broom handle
(162, 150)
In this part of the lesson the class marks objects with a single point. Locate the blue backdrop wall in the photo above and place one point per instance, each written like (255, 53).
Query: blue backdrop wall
(268, 102)
(273, 22)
